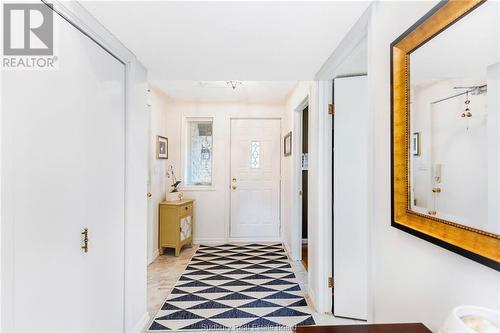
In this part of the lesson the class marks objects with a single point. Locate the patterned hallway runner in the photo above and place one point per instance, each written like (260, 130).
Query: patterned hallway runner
(235, 286)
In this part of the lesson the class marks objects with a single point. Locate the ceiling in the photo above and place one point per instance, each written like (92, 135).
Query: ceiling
(221, 91)
(357, 61)
(229, 40)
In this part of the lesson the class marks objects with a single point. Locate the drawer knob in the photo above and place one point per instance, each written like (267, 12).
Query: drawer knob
(186, 208)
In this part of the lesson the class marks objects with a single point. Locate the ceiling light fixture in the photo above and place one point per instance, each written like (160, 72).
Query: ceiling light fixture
(234, 84)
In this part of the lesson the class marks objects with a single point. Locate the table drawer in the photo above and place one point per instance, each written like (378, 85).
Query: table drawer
(186, 209)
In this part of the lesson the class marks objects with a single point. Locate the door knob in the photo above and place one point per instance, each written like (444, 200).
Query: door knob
(149, 195)
(233, 187)
(234, 180)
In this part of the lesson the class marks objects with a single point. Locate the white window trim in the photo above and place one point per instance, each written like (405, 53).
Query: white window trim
(185, 150)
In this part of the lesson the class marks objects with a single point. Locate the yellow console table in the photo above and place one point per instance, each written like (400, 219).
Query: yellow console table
(175, 225)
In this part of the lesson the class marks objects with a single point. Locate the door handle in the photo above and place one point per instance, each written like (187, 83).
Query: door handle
(149, 195)
(85, 245)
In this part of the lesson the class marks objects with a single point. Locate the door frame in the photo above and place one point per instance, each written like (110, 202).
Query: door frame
(329, 70)
(150, 218)
(296, 252)
(227, 183)
(135, 186)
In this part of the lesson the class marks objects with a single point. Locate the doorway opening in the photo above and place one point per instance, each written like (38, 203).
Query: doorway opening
(237, 216)
(350, 186)
(304, 184)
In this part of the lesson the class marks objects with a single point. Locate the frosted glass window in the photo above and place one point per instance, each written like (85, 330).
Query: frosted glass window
(255, 155)
(200, 154)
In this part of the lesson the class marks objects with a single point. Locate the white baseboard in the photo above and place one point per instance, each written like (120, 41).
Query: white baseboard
(141, 324)
(312, 299)
(216, 241)
(155, 255)
(209, 241)
(293, 256)
(288, 251)
(255, 240)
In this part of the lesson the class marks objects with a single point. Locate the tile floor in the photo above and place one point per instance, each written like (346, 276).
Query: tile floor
(164, 272)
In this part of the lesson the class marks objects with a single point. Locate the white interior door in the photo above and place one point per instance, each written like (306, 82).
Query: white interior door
(255, 178)
(350, 197)
(63, 140)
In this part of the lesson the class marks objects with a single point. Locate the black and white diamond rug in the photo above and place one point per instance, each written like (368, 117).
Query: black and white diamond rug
(234, 286)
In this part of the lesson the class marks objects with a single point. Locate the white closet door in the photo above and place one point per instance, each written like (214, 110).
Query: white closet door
(350, 197)
(255, 178)
(64, 148)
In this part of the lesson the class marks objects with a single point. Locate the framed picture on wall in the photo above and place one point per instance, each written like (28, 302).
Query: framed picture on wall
(288, 144)
(415, 144)
(161, 147)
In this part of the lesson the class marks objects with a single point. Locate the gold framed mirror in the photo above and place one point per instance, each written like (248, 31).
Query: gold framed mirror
(445, 129)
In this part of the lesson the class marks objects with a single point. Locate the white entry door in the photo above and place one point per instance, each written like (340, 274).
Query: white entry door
(63, 150)
(350, 235)
(255, 178)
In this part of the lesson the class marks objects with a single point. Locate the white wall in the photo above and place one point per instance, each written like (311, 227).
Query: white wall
(411, 279)
(319, 218)
(158, 102)
(136, 315)
(292, 177)
(211, 208)
(461, 146)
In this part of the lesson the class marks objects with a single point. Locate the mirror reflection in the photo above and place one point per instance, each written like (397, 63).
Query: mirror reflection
(454, 158)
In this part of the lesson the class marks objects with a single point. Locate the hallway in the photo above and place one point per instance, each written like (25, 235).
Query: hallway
(230, 286)
(262, 166)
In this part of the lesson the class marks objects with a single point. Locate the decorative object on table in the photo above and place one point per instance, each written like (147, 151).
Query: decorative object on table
(415, 144)
(176, 224)
(161, 147)
(173, 194)
(287, 142)
(465, 319)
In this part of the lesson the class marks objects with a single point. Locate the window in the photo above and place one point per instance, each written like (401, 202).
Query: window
(255, 154)
(199, 153)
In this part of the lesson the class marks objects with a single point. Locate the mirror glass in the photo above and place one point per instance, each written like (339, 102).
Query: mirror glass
(454, 152)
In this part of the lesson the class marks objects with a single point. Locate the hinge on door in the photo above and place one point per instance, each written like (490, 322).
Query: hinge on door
(85, 245)
(331, 109)
(330, 282)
